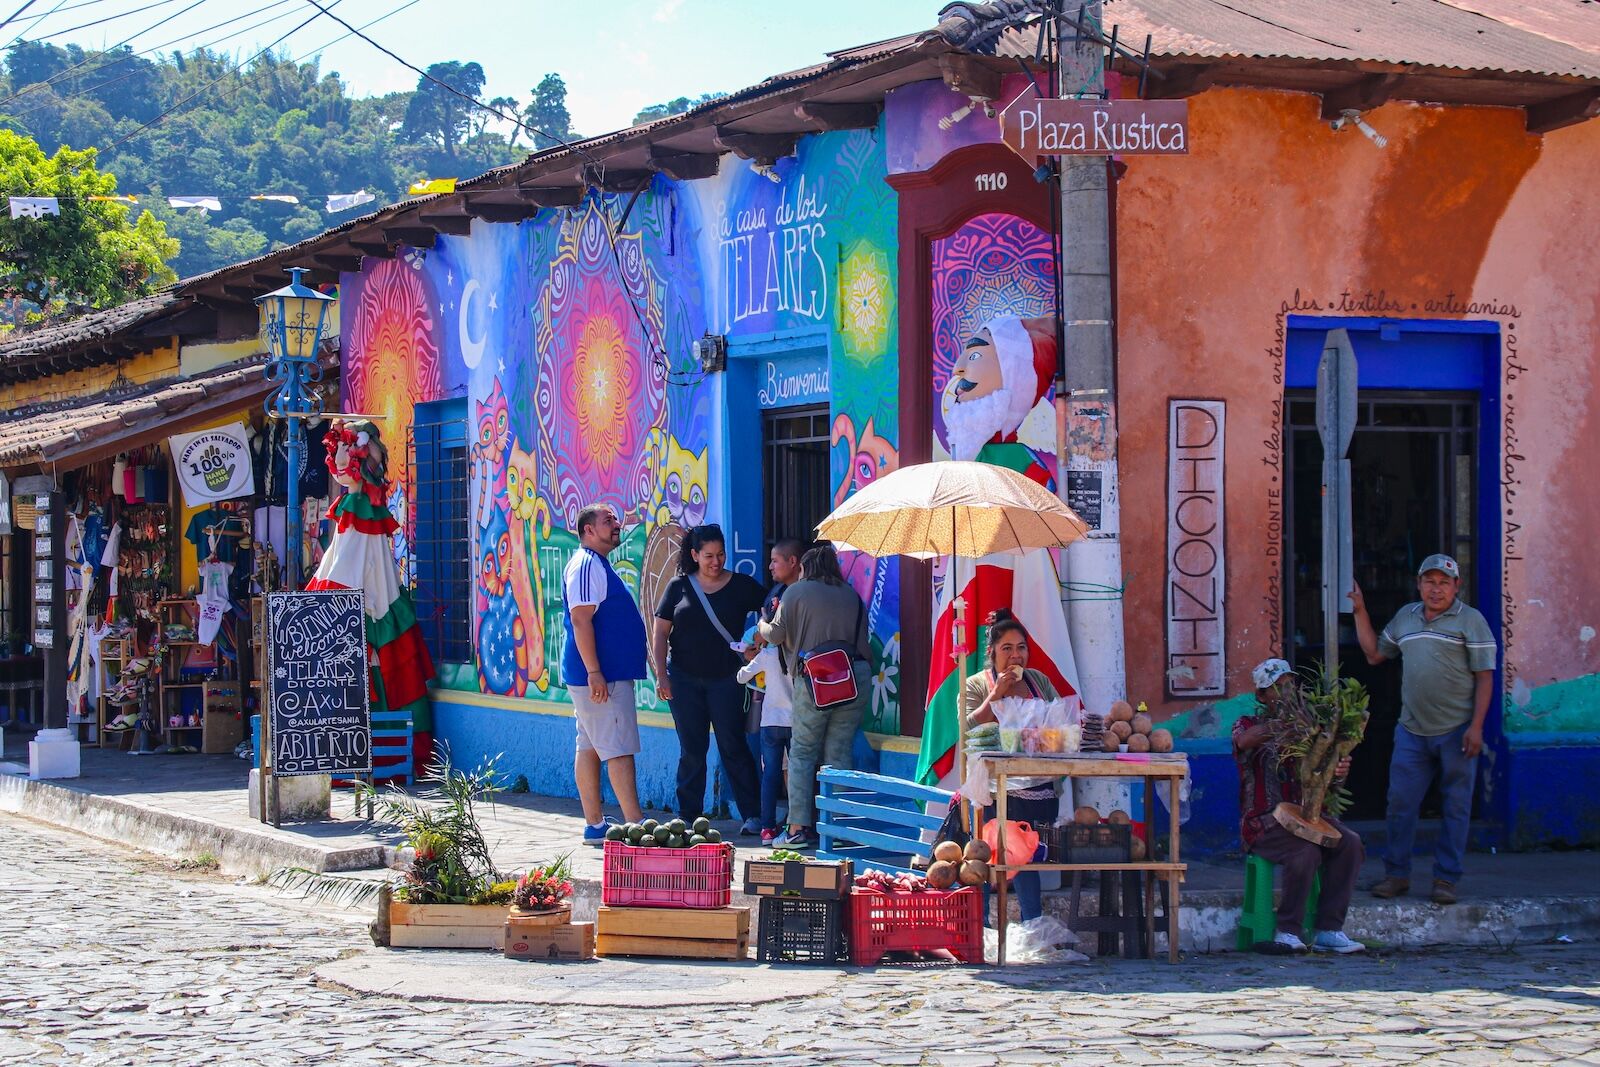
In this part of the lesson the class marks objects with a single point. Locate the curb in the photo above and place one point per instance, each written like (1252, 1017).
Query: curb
(238, 850)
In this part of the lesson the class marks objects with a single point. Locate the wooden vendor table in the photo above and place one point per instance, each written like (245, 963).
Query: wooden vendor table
(1169, 766)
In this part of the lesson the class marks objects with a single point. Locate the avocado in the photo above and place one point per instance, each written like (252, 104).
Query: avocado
(616, 833)
(702, 824)
(649, 826)
(662, 835)
(713, 835)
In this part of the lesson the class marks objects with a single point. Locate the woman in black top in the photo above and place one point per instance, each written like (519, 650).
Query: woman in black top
(695, 667)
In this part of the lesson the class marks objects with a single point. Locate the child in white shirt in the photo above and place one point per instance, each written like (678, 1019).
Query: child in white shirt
(765, 674)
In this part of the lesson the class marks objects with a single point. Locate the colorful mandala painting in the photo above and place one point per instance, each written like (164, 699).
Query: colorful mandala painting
(599, 392)
(391, 360)
(994, 264)
(866, 301)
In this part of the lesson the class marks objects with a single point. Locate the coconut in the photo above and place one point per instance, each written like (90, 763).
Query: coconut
(1138, 743)
(942, 875)
(1122, 730)
(1087, 815)
(978, 850)
(1136, 849)
(948, 851)
(974, 872)
(1111, 742)
(1160, 740)
(1119, 818)
(1141, 723)
(1121, 711)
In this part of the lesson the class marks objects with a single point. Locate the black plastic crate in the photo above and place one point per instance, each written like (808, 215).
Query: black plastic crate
(802, 930)
(1102, 843)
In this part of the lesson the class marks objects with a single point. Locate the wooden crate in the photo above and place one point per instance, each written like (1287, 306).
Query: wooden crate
(682, 933)
(447, 925)
(564, 941)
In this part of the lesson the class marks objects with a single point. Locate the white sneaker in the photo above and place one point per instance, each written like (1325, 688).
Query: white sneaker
(1335, 941)
(1289, 942)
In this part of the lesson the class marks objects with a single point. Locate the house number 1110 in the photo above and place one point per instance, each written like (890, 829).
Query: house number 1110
(990, 183)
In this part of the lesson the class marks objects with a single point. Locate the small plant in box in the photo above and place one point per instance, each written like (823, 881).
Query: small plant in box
(544, 888)
(1317, 722)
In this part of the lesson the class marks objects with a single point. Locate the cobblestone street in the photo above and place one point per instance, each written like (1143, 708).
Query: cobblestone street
(118, 958)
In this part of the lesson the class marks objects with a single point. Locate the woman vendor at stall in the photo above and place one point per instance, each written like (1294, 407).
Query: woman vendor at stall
(1028, 800)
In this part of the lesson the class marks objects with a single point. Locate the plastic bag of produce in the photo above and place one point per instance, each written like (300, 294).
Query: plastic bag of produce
(1042, 940)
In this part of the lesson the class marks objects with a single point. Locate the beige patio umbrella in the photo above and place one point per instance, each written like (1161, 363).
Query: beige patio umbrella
(952, 508)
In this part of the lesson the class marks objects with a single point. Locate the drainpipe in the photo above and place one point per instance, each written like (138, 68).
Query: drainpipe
(1086, 400)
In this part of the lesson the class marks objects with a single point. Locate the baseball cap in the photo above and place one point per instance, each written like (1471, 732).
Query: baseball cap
(1269, 671)
(1440, 562)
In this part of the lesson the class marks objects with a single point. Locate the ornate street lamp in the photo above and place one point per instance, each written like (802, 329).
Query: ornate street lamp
(295, 317)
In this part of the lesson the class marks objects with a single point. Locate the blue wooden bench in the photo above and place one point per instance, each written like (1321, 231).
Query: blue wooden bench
(875, 821)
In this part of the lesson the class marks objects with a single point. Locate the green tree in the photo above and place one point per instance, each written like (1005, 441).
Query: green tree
(548, 115)
(437, 115)
(91, 255)
(674, 107)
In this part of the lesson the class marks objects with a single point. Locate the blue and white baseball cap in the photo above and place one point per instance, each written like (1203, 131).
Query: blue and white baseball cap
(1269, 671)
(1442, 563)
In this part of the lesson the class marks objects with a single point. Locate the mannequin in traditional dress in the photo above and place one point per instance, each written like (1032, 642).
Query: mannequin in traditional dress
(360, 556)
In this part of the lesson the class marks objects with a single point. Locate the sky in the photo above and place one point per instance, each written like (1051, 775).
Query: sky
(616, 56)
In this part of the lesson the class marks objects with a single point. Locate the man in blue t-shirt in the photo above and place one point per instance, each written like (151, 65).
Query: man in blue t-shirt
(604, 656)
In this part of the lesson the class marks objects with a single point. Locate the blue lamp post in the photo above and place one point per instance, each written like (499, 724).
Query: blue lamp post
(295, 318)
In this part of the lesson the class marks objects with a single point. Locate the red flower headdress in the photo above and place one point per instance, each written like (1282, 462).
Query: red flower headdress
(360, 444)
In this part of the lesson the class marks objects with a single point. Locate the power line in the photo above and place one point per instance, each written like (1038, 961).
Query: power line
(108, 18)
(100, 55)
(15, 14)
(119, 60)
(203, 89)
(33, 22)
(346, 36)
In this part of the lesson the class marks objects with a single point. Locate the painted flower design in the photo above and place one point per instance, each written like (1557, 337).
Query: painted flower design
(865, 295)
(886, 680)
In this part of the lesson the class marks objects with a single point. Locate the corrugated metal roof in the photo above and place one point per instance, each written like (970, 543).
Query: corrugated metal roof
(1550, 37)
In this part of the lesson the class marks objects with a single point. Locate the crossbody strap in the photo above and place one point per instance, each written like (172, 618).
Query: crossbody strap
(694, 583)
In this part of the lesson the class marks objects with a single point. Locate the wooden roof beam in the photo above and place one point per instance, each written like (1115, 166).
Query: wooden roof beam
(372, 245)
(1563, 111)
(615, 179)
(839, 116)
(1183, 79)
(450, 218)
(1363, 94)
(765, 148)
(415, 236)
(684, 166)
(551, 195)
(335, 262)
(499, 210)
(969, 76)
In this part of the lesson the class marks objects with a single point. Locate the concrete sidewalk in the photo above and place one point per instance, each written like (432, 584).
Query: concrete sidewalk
(185, 806)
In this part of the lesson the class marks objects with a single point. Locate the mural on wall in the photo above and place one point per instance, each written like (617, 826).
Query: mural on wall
(570, 337)
(391, 363)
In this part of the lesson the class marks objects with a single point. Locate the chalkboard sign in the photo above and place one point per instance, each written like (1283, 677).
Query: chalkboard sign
(320, 720)
(1083, 496)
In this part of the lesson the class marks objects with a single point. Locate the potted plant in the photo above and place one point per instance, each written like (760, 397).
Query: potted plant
(1318, 722)
(542, 897)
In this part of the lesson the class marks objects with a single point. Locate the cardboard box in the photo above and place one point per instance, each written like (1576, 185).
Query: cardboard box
(565, 941)
(817, 880)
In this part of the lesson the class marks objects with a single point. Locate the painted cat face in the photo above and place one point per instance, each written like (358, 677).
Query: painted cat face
(684, 484)
(494, 427)
(522, 484)
(494, 555)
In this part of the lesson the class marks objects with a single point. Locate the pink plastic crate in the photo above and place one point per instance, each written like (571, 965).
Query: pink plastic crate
(698, 877)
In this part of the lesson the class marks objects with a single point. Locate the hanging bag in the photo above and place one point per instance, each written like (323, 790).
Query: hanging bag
(829, 669)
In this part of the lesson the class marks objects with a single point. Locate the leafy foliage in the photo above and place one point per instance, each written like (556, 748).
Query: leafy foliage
(1318, 720)
(274, 126)
(675, 107)
(452, 864)
(548, 113)
(92, 255)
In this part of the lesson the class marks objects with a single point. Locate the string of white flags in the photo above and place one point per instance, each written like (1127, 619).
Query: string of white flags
(38, 207)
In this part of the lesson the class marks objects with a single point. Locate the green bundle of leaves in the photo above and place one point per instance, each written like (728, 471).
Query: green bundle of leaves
(1320, 719)
(452, 864)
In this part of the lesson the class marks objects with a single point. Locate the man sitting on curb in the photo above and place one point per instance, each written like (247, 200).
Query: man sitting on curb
(1265, 781)
(1447, 655)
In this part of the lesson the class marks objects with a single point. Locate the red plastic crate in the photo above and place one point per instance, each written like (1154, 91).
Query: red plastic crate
(698, 877)
(916, 922)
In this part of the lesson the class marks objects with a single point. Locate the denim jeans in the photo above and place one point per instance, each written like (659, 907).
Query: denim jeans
(774, 743)
(823, 737)
(700, 705)
(1411, 770)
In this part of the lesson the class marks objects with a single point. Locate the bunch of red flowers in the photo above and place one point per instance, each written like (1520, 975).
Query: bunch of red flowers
(541, 889)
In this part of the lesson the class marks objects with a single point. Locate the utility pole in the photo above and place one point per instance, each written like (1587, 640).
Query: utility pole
(1086, 398)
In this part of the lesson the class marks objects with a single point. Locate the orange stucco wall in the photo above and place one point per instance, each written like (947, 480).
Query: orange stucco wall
(1270, 203)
